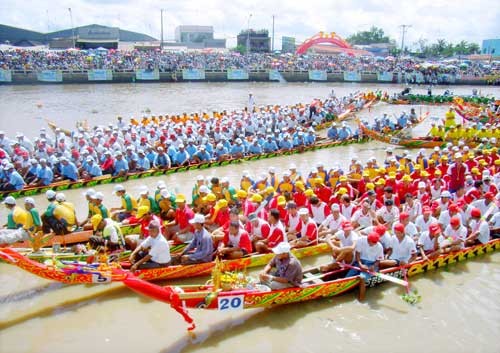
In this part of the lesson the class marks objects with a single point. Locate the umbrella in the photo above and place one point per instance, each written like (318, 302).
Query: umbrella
(390, 58)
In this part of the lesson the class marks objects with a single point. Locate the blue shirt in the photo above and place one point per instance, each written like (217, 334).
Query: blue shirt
(191, 149)
(143, 163)
(332, 133)
(45, 175)
(237, 149)
(269, 146)
(181, 157)
(16, 180)
(204, 156)
(161, 160)
(94, 170)
(255, 149)
(120, 165)
(69, 171)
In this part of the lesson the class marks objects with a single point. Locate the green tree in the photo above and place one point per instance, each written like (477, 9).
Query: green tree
(374, 35)
(242, 49)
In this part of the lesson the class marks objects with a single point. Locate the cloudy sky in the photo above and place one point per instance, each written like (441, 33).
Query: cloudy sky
(430, 19)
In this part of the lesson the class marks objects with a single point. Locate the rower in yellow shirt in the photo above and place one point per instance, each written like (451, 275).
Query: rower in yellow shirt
(449, 119)
(434, 131)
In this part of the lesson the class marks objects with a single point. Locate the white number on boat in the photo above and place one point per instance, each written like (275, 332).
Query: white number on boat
(395, 140)
(234, 302)
(97, 278)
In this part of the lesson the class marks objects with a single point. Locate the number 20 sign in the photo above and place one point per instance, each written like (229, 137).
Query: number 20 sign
(234, 302)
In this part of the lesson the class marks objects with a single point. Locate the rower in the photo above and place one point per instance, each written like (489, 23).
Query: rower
(288, 270)
(128, 205)
(342, 244)
(15, 229)
(201, 248)
(154, 252)
(402, 250)
(108, 233)
(236, 242)
(428, 242)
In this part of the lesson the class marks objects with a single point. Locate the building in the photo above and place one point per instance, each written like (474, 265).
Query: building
(288, 45)
(491, 46)
(259, 41)
(91, 36)
(198, 37)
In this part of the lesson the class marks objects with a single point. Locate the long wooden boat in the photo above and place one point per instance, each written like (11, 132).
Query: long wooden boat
(108, 179)
(322, 286)
(76, 273)
(81, 236)
(436, 99)
(394, 140)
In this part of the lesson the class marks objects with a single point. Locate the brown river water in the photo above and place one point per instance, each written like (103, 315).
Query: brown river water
(459, 311)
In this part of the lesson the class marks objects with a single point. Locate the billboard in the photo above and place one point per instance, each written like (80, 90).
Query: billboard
(352, 76)
(100, 75)
(193, 74)
(143, 74)
(237, 74)
(49, 76)
(384, 76)
(5, 75)
(317, 75)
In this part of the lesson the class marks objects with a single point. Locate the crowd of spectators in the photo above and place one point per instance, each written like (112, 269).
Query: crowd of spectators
(20, 59)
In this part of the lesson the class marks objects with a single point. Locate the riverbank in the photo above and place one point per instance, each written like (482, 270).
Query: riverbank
(10, 77)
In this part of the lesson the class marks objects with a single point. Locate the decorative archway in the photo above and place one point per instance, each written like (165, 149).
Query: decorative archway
(321, 38)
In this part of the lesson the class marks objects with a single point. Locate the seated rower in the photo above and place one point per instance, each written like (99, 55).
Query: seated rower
(153, 252)
(342, 243)
(402, 249)
(275, 236)
(108, 233)
(201, 248)
(453, 237)
(307, 231)
(479, 229)
(428, 242)
(236, 242)
(288, 270)
(368, 254)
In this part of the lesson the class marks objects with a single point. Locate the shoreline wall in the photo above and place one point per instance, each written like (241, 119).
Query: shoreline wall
(8, 77)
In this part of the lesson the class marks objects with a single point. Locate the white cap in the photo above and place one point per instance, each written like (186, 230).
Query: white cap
(282, 248)
(292, 166)
(335, 207)
(99, 196)
(271, 170)
(198, 218)
(165, 194)
(119, 187)
(91, 192)
(303, 211)
(161, 184)
(204, 189)
(9, 200)
(30, 201)
(445, 194)
(50, 194)
(421, 184)
(143, 191)
(200, 178)
(60, 197)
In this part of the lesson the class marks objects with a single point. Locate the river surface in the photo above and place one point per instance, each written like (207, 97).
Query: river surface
(459, 311)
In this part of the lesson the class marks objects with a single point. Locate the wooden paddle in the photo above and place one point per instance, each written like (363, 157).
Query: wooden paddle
(380, 275)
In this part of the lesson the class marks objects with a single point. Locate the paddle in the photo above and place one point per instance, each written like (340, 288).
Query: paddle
(411, 297)
(379, 274)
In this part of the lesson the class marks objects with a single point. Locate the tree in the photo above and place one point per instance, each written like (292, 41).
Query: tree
(374, 35)
(242, 49)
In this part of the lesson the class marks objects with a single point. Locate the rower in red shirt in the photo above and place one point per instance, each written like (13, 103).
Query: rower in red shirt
(276, 233)
(236, 242)
(307, 231)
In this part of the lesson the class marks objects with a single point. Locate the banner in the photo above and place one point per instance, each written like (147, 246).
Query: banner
(143, 74)
(5, 75)
(352, 76)
(446, 78)
(193, 74)
(237, 74)
(49, 76)
(100, 75)
(317, 75)
(384, 76)
(274, 75)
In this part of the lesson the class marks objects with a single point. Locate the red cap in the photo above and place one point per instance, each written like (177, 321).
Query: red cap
(380, 229)
(455, 221)
(453, 207)
(426, 209)
(403, 215)
(434, 229)
(346, 225)
(373, 237)
(489, 196)
(475, 212)
(399, 227)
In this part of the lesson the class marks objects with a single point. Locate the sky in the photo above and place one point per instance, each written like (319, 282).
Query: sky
(429, 19)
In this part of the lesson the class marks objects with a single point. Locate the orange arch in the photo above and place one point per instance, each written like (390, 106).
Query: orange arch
(321, 38)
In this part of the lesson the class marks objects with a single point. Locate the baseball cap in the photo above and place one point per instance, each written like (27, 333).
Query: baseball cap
(373, 237)
(434, 229)
(282, 248)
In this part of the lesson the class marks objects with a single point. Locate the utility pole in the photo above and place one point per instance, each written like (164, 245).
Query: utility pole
(272, 46)
(248, 34)
(403, 30)
(161, 27)
(72, 27)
